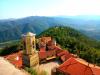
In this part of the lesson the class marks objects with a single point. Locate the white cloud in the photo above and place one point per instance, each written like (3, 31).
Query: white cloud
(74, 7)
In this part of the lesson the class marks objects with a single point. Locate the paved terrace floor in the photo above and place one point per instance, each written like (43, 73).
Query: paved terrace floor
(48, 66)
(7, 68)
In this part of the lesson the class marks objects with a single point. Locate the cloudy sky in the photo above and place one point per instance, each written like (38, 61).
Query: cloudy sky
(23, 8)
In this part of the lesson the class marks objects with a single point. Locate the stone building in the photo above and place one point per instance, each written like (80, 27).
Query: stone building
(48, 50)
(30, 56)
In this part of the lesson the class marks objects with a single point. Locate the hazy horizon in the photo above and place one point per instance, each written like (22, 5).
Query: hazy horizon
(24, 8)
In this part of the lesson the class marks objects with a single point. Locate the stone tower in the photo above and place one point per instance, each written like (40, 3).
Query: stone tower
(30, 55)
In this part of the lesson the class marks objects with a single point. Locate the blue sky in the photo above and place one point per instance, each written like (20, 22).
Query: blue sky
(23, 8)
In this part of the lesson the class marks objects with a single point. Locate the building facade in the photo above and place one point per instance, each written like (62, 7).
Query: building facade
(30, 55)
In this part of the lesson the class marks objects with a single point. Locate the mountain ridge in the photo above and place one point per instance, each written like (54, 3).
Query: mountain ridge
(12, 29)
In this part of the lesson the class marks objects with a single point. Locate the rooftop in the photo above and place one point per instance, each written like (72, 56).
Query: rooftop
(15, 58)
(74, 67)
(29, 34)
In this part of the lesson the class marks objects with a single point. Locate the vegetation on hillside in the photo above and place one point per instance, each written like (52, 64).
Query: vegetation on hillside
(75, 42)
(68, 38)
(12, 29)
(31, 71)
(10, 47)
(35, 71)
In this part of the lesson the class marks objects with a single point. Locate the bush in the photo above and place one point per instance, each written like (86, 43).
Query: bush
(35, 71)
(31, 71)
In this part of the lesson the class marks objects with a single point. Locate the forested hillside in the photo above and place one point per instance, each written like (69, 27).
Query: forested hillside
(69, 39)
(75, 42)
(10, 47)
(12, 29)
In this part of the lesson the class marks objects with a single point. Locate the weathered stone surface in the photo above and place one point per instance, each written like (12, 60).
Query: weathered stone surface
(30, 56)
(7, 68)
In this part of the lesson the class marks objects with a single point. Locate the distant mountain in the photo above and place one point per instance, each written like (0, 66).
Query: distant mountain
(11, 29)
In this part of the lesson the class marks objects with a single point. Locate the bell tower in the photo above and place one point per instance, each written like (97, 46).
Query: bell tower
(30, 55)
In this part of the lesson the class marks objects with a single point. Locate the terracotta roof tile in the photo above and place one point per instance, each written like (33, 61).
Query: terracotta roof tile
(42, 54)
(13, 59)
(50, 53)
(42, 49)
(45, 39)
(73, 67)
(63, 52)
(96, 71)
(63, 58)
